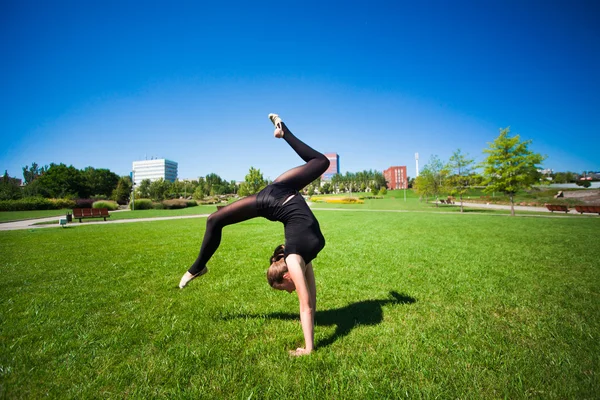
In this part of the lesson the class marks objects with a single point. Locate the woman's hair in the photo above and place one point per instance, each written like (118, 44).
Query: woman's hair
(278, 266)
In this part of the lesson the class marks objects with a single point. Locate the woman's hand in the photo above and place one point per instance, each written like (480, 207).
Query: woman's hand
(299, 352)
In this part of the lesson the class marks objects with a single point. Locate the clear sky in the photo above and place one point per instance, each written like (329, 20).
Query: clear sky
(105, 83)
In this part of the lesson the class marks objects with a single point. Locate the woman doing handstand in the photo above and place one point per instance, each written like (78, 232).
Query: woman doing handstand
(291, 264)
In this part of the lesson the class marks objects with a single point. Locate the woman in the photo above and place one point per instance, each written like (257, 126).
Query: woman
(291, 264)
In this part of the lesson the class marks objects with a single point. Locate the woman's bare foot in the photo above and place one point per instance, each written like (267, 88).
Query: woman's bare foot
(187, 277)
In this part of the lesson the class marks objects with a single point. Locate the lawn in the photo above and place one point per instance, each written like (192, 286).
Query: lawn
(410, 305)
(8, 216)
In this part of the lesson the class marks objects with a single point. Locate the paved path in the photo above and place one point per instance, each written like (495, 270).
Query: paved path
(30, 223)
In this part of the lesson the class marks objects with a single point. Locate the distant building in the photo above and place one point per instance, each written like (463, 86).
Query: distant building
(154, 170)
(334, 166)
(396, 177)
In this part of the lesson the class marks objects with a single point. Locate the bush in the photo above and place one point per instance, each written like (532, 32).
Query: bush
(63, 203)
(175, 204)
(111, 205)
(157, 206)
(141, 204)
(192, 203)
(84, 203)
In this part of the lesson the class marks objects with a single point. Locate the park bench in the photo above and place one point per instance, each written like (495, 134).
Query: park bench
(557, 207)
(588, 209)
(81, 213)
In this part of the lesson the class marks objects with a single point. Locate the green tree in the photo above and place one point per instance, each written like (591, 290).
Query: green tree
(143, 190)
(100, 181)
(585, 184)
(254, 182)
(460, 167)
(159, 189)
(122, 192)
(510, 166)
(10, 188)
(30, 174)
(60, 181)
(326, 188)
(433, 178)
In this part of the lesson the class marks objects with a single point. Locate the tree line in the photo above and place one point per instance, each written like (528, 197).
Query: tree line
(508, 167)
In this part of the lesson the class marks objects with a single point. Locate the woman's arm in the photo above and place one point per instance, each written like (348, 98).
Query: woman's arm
(312, 287)
(296, 269)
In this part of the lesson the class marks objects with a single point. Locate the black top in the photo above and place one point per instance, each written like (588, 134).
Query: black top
(302, 232)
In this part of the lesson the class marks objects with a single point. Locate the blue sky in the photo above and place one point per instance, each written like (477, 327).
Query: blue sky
(104, 83)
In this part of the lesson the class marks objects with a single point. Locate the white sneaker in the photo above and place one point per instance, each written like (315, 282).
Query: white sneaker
(278, 125)
(187, 277)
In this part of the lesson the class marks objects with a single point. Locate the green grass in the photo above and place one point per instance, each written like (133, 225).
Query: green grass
(8, 216)
(410, 305)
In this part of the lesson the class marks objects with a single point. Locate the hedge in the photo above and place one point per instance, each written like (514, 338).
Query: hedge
(111, 205)
(141, 204)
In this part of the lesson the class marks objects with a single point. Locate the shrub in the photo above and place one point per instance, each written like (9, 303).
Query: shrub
(175, 204)
(141, 204)
(111, 205)
(192, 203)
(157, 206)
(26, 204)
(84, 203)
(63, 203)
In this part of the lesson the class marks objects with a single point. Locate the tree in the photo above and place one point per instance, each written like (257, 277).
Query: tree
(510, 166)
(460, 165)
(10, 188)
(585, 184)
(143, 191)
(159, 189)
(433, 178)
(60, 181)
(564, 177)
(100, 181)
(122, 192)
(253, 182)
(31, 174)
(326, 188)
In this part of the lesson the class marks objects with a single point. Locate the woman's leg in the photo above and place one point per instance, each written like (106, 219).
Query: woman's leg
(239, 211)
(316, 163)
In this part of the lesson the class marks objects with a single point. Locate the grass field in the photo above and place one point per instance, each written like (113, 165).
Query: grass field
(410, 305)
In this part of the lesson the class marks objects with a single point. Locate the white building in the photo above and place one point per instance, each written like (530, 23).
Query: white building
(154, 170)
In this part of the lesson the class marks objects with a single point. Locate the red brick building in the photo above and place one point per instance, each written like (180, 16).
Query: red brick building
(334, 166)
(396, 177)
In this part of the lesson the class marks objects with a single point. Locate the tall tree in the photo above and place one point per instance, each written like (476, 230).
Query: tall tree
(460, 166)
(143, 190)
(158, 189)
(510, 166)
(432, 179)
(60, 181)
(253, 182)
(10, 188)
(100, 181)
(30, 174)
(122, 192)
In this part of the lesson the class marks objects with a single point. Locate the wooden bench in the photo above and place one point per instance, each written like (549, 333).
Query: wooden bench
(81, 213)
(557, 207)
(588, 209)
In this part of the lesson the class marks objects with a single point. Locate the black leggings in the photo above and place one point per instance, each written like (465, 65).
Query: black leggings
(246, 208)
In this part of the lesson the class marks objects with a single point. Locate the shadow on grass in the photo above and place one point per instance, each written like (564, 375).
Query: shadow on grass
(366, 312)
